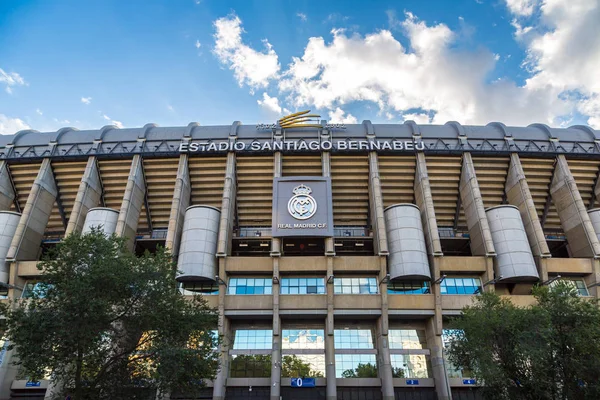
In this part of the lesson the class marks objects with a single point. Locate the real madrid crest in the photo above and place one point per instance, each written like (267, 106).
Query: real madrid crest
(302, 205)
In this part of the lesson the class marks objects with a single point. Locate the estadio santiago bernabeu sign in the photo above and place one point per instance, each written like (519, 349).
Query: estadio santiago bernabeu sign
(302, 206)
(300, 145)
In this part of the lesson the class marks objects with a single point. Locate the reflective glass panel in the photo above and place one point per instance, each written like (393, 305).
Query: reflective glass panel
(460, 286)
(302, 286)
(355, 366)
(253, 339)
(409, 287)
(250, 366)
(355, 286)
(353, 339)
(407, 339)
(303, 339)
(250, 286)
(410, 366)
(303, 365)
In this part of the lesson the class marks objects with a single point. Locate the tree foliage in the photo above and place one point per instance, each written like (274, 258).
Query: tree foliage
(367, 370)
(293, 366)
(550, 350)
(109, 324)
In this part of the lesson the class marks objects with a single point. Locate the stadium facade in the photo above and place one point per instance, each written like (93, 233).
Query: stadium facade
(333, 253)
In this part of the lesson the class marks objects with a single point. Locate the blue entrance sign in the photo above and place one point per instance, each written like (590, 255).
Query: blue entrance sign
(303, 382)
(469, 381)
(32, 384)
(412, 381)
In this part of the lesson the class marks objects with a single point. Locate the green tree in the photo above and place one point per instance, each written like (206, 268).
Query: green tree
(110, 325)
(550, 350)
(293, 366)
(367, 370)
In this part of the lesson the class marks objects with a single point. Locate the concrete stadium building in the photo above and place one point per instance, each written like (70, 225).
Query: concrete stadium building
(332, 252)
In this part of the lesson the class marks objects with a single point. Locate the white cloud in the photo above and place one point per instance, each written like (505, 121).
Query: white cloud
(198, 44)
(118, 124)
(10, 79)
(564, 53)
(339, 116)
(302, 16)
(419, 118)
(170, 108)
(249, 66)
(522, 7)
(450, 84)
(86, 100)
(431, 74)
(270, 104)
(38, 111)
(9, 126)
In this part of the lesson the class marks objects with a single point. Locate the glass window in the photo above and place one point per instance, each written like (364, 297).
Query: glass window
(35, 289)
(410, 366)
(448, 336)
(250, 286)
(204, 288)
(407, 339)
(576, 283)
(355, 286)
(460, 286)
(353, 339)
(409, 287)
(303, 365)
(253, 339)
(303, 339)
(355, 366)
(250, 366)
(303, 286)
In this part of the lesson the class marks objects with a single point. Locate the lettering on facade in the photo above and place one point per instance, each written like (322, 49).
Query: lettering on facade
(300, 146)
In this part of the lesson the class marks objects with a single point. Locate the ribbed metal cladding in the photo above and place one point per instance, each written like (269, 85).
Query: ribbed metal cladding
(514, 260)
(102, 217)
(197, 254)
(595, 218)
(8, 225)
(406, 242)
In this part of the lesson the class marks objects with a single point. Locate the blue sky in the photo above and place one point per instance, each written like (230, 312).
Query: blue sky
(92, 63)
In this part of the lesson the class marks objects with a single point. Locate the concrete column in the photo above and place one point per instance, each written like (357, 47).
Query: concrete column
(277, 168)
(227, 208)
(326, 168)
(518, 194)
(133, 200)
(276, 349)
(88, 196)
(573, 215)
(472, 202)
(438, 366)
(25, 245)
(424, 200)
(376, 206)
(331, 389)
(181, 201)
(8, 371)
(220, 383)
(383, 348)
(7, 193)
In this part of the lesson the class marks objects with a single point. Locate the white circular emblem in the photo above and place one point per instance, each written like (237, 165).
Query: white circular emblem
(302, 205)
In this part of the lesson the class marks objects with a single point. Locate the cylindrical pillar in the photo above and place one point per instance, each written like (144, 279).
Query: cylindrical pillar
(595, 218)
(197, 253)
(103, 218)
(406, 243)
(8, 226)
(514, 260)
